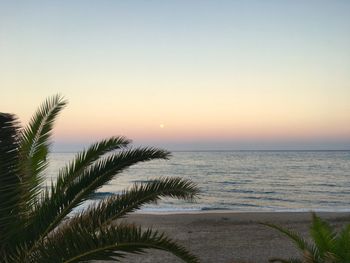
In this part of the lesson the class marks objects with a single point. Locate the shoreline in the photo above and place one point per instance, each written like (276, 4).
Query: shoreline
(223, 211)
(229, 237)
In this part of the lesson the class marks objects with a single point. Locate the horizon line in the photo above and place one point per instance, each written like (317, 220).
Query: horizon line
(243, 150)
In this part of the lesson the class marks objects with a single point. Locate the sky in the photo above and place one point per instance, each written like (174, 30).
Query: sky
(184, 75)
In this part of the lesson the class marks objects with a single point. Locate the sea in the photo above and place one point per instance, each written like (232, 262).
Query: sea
(240, 181)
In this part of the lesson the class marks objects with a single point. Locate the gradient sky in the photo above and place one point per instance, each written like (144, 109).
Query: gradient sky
(183, 74)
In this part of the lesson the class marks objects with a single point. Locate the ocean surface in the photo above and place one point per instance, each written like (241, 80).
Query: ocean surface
(242, 180)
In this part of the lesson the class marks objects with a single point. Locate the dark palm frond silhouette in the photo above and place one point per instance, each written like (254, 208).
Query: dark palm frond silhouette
(328, 246)
(37, 223)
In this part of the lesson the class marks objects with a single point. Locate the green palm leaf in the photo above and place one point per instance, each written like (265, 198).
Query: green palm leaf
(309, 252)
(323, 236)
(86, 158)
(117, 206)
(53, 202)
(299, 241)
(98, 174)
(110, 243)
(32, 223)
(9, 177)
(342, 245)
(328, 247)
(34, 146)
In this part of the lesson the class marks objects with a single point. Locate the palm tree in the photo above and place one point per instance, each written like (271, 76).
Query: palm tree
(328, 246)
(36, 223)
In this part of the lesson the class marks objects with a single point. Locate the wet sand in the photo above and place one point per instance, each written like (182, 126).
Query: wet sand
(229, 237)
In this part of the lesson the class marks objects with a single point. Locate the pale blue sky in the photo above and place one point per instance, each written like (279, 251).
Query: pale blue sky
(216, 74)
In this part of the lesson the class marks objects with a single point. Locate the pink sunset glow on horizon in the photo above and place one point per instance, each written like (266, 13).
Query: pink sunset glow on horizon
(175, 74)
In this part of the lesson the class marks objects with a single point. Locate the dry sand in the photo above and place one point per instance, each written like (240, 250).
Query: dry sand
(229, 237)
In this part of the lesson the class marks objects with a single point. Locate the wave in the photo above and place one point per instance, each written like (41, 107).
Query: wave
(101, 195)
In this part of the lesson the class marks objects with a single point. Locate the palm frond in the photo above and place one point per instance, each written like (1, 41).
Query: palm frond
(9, 178)
(52, 202)
(103, 171)
(34, 146)
(299, 241)
(327, 246)
(342, 245)
(76, 244)
(59, 204)
(86, 158)
(32, 222)
(15, 254)
(323, 236)
(117, 206)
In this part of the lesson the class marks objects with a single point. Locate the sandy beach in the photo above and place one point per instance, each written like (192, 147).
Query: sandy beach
(229, 237)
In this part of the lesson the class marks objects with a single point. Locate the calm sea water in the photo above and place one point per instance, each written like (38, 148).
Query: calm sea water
(244, 180)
